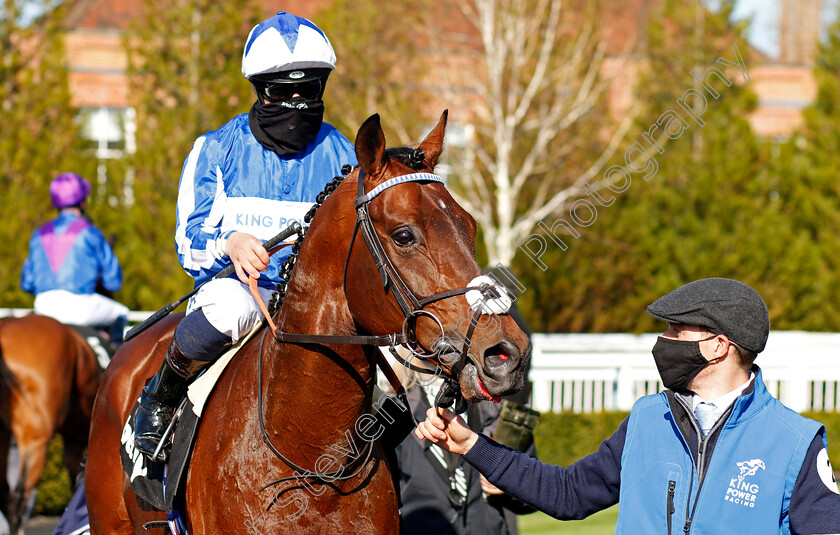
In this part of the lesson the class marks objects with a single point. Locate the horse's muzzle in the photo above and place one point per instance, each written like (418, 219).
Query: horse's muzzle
(502, 368)
(487, 374)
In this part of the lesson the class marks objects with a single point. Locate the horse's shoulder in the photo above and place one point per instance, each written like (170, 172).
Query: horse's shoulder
(139, 358)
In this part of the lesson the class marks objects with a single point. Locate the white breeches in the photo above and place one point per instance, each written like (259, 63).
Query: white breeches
(93, 310)
(229, 306)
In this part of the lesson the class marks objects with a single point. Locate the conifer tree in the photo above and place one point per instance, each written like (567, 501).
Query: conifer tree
(708, 210)
(185, 66)
(379, 68)
(809, 192)
(39, 137)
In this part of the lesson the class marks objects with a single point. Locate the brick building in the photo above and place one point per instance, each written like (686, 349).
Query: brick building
(99, 86)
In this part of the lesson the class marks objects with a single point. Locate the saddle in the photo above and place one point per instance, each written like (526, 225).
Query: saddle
(162, 484)
(99, 342)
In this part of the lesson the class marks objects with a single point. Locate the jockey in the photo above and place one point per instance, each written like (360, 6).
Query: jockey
(68, 258)
(241, 185)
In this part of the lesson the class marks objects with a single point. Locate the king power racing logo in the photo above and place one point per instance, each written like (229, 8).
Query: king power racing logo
(742, 490)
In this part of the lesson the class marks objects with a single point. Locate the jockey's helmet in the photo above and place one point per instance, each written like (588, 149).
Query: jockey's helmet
(287, 50)
(68, 189)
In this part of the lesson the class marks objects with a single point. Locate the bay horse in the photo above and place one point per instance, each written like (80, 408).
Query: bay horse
(48, 380)
(310, 399)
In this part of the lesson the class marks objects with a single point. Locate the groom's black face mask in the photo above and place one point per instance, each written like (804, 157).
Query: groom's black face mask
(678, 361)
(286, 127)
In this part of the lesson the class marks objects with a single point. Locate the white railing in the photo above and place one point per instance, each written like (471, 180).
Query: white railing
(595, 372)
(134, 316)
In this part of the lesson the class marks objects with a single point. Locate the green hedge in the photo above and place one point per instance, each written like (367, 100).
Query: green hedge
(831, 421)
(54, 491)
(561, 439)
(566, 437)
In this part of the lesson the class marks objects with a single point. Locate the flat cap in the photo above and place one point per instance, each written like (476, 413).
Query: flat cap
(724, 306)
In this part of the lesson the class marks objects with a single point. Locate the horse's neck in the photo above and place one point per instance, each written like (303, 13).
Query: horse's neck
(314, 379)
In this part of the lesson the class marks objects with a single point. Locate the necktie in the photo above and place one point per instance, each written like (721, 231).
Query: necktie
(706, 416)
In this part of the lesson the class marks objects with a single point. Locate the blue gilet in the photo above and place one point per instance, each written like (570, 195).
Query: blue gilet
(744, 484)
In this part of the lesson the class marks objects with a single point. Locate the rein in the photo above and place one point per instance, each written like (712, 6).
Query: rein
(300, 472)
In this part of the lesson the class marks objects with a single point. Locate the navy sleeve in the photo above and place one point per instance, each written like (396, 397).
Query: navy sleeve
(815, 502)
(585, 487)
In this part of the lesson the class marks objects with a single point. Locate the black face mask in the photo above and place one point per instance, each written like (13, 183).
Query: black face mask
(678, 361)
(286, 127)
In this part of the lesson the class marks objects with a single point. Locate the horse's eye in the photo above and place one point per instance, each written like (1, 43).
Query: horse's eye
(403, 237)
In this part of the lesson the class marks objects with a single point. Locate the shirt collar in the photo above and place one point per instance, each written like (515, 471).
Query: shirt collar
(723, 402)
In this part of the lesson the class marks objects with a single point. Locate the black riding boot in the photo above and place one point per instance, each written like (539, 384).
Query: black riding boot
(161, 397)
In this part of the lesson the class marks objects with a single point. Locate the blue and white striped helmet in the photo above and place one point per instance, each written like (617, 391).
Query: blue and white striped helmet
(287, 44)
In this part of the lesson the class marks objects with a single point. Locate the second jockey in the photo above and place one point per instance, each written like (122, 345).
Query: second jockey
(68, 258)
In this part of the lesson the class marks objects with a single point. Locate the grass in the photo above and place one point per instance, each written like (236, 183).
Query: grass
(602, 523)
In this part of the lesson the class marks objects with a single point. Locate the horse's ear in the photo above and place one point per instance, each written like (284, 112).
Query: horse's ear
(370, 146)
(433, 144)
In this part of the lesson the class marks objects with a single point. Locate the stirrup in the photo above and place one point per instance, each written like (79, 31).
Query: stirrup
(161, 400)
(158, 403)
(161, 452)
(153, 421)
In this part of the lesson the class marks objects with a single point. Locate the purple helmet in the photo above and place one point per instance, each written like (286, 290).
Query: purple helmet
(68, 189)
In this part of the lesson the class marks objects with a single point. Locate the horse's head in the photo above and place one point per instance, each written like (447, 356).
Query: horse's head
(415, 283)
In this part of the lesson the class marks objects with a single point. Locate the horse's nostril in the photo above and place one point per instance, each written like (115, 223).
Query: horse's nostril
(501, 355)
(495, 361)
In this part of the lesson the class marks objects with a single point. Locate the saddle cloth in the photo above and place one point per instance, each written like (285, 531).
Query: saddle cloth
(160, 483)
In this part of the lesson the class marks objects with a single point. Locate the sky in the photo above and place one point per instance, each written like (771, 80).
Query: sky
(764, 31)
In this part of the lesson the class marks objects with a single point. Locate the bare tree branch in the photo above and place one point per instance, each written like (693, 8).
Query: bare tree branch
(533, 107)
(538, 212)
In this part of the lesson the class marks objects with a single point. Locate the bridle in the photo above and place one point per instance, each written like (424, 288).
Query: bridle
(411, 306)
